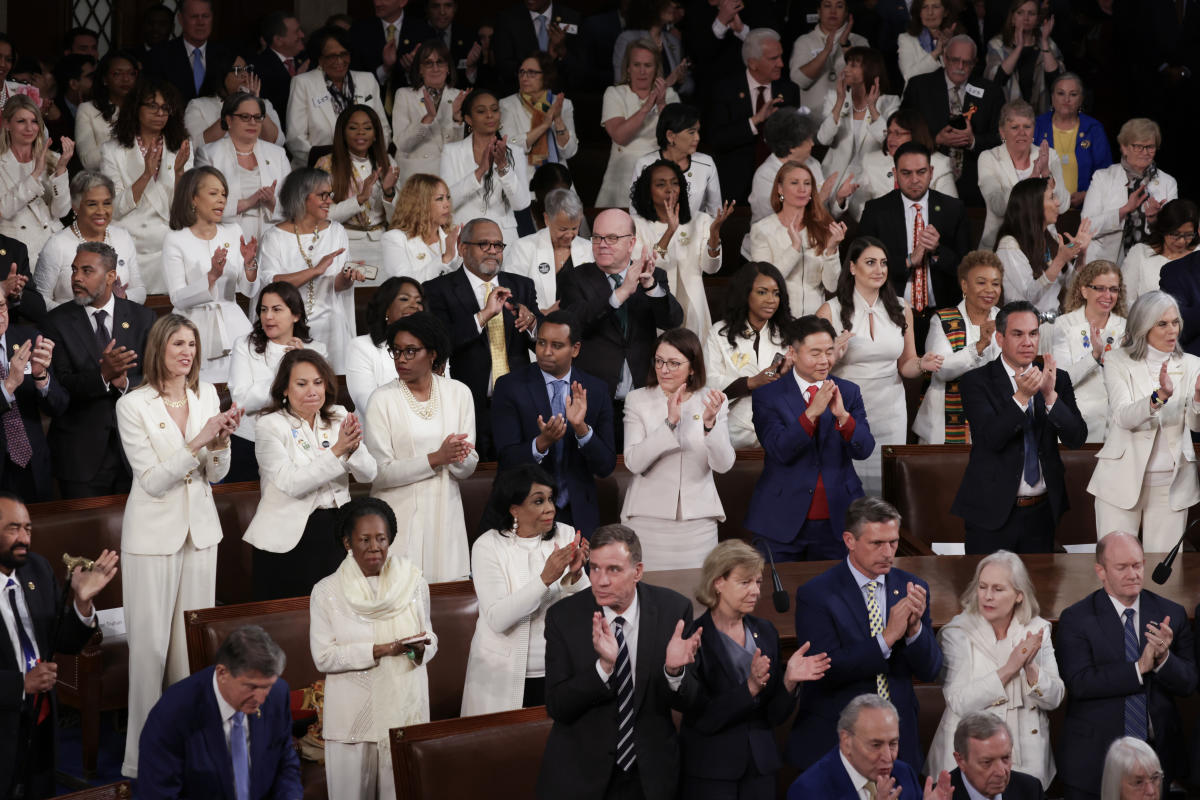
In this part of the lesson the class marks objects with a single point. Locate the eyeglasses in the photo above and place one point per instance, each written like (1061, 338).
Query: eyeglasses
(342, 56)
(489, 247)
(528, 73)
(433, 62)
(406, 353)
(1142, 148)
(668, 366)
(1182, 236)
(242, 70)
(1140, 781)
(324, 196)
(966, 62)
(157, 108)
(1104, 289)
(248, 118)
(610, 239)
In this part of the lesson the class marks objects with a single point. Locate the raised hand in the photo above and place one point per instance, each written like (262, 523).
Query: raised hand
(86, 584)
(500, 153)
(841, 344)
(68, 150)
(456, 107)
(942, 789)
(15, 283)
(836, 404)
(579, 557)
(671, 207)
(837, 232)
(217, 268)
(16, 366)
(153, 160)
(713, 401)
(1049, 376)
(1166, 387)
(821, 400)
(1041, 165)
(390, 176)
(681, 651)
(760, 673)
(603, 642)
(523, 319)
(181, 158)
(556, 563)
(430, 106)
(552, 430)
(576, 407)
(115, 361)
(41, 356)
(847, 188)
(407, 59)
(454, 450)
(1028, 383)
(368, 186)
(714, 230)
(795, 233)
(1160, 635)
(326, 260)
(674, 404)
(802, 667)
(917, 598)
(350, 436)
(249, 250)
(451, 244)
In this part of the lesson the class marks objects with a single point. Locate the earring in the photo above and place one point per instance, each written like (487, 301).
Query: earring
(516, 525)
(781, 197)
(193, 208)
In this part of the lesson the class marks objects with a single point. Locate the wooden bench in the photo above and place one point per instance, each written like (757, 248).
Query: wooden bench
(110, 791)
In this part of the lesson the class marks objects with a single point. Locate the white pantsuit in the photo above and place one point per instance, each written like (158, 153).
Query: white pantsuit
(1105, 195)
(30, 207)
(725, 363)
(809, 272)
(273, 167)
(92, 130)
(1071, 333)
(312, 117)
(686, 263)
(509, 192)
(997, 176)
(52, 276)
(168, 541)
(930, 422)
(533, 257)
(419, 146)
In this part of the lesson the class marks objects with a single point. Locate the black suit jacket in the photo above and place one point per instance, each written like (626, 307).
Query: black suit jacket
(32, 405)
(79, 436)
(518, 399)
(1020, 787)
(713, 58)
(462, 39)
(989, 486)
(727, 129)
(598, 36)
(1181, 280)
(883, 218)
(366, 47)
(169, 60)
(276, 82)
(516, 38)
(585, 291)
(582, 748)
(1090, 645)
(30, 307)
(43, 598)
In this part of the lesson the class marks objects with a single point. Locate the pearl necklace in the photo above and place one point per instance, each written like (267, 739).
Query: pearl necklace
(79, 236)
(240, 154)
(427, 409)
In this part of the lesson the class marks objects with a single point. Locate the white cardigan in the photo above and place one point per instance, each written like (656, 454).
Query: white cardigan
(930, 422)
(457, 169)
(418, 146)
(311, 117)
(533, 257)
(724, 364)
(171, 498)
(273, 166)
(808, 273)
(91, 132)
(30, 207)
(512, 597)
(1087, 377)
(52, 276)
(997, 176)
(1102, 205)
(515, 122)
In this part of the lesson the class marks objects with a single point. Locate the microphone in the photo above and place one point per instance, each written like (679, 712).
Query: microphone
(780, 597)
(1163, 571)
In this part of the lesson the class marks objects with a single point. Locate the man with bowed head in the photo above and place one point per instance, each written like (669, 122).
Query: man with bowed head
(616, 665)
(864, 762)
(983, 751)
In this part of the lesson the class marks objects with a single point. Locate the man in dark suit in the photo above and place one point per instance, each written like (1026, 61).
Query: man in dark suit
(281, 59)
(556, 415)
(1013, 491)
(864, 759)
(620, 306)
(73, 74)
(1125, 655)
(25, 395)
(27, 307)
(714, 33)
(929, 228)
(184, 61)
(536, 25)
(616, 665)
(951, 94)
(85, 447)
(812, 427)
(225, 732)
(487, 314)
(1181, 279)
(983, 751)
(598, 37)
(34, 624)
(739, 105)
(461, 40)
(386, 44)
(873, 621)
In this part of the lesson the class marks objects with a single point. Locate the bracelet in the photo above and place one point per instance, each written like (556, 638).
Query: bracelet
(671, 425)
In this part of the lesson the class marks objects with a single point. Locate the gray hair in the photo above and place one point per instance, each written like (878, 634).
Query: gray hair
(1015, 108)
(1125, 755)
(563, 201)
(87, 180)
(250, 649)
(869, 509)
(297, 186)
(849, 716)
(1066, 76)
(962, 38)
(977, 725)
(752, 46)
(108, 256)
(618, 534)
(787, 128)
(1147, 310)
(1026, 607)
(467, 234)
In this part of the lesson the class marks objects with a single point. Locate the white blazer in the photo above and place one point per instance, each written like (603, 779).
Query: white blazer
(251, 375)
(1102, 205)
(1121, 462)
(512, 598)
(52, 276)
(725, 363)
(930, 422)
(809, 274)
(813, 91)
(297, 476)
(703, 184)
(419, 147)
(367, 368)
(171, 498)
(515, 122)
(840, 140)
(760, 191)
(311, 117)
(1019, 283)
(687, 258)
(533, 257)
(997, 176)
(413, 258)
(273, 165)
(914, 59)
(92, 131)
(146, 219)
(674, 469)
(201, 112)
(510, 192)
(1070, 331)
(30, 207)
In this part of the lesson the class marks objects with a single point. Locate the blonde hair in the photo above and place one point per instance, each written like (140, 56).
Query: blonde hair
(1089, 273)
(154, 371)
(641, 44)
(21, 102)
(1136, 128)
(412, 206)
(1026, 607)
(721, 561)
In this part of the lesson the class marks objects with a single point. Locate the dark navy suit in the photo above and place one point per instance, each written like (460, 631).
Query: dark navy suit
(1181, 279)
(827, 779)
(1020, 787)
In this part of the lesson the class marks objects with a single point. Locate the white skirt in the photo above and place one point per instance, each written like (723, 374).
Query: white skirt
(674, 544)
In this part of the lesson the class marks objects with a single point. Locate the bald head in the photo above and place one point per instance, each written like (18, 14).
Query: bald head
(612, 257)
(1121, 566)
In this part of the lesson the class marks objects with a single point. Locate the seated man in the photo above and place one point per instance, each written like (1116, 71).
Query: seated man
(864, 763)
(226, 731)
(983, 751)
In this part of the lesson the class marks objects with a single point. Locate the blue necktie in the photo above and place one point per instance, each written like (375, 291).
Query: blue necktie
(543, 36)
(1135, 704)
(197, 68)
(558, 405)
(1032, 470)
(622, 678)
(28, 653)
(241, 758)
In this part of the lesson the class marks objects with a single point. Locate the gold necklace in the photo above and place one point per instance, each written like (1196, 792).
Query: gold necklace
(311, 299)
(175, 403)
(424, 410)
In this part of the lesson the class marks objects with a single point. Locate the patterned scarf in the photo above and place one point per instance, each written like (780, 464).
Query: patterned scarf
(1135, 221)
(538, 105)
(956, 333)
(341, 99)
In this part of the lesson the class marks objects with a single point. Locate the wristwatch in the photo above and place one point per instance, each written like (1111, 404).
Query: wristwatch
(671, 425)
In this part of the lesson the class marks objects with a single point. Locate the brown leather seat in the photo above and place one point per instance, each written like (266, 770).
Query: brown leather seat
(110, 791)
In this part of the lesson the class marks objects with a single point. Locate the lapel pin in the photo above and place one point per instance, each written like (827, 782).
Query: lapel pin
(741, 96)
(268, 162)
(31, 586)
(695, 416)
(3, 252)
(895, 591)
(16, 347)
(125, 325)
(162, 424)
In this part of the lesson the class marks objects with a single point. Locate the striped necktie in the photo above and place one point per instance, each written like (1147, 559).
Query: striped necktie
(622, 678)
(495, 336)
(1135, 704)
(875, 618)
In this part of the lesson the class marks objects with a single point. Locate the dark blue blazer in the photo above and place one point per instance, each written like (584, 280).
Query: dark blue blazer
(827, 779)
(1020, 787)
(1181, 280)
(1092, 151)
(729, 732)
(831, 613)
(1091, 659)
(184, 753)
(517, 400)
(793, 459)
(32, 405)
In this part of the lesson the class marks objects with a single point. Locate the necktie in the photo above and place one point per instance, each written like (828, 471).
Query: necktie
(102, 337)
(622, 312)
(809, 394)
(1135, 704)
(871, 789)
(390, 34)
(558, 405)
(875, 618)
(956, 108)
(20, 452)
(1180, 10)
(761, 151)
(28, 652)
(920, 278)
(1032, 471)
(290, 63)
(623, 676)
(241, 758)
(495, 335)
(197, 68)
(543, 35)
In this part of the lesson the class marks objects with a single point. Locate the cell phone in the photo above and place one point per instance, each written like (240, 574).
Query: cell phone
(369, 271)
(420, 638)
(778, 360)
(958, 122)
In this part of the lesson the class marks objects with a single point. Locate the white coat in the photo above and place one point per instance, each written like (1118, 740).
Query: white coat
(311, 116)
(201, 112)
(273, 166)
(997, 176)
(725, 363)
(510, 192)
(515, 122)
(808, 273)
(533, 257)
(1102, 205)
(92, 130)
(1087, 377)
(418, 146)
(30, 207)
(52, 276)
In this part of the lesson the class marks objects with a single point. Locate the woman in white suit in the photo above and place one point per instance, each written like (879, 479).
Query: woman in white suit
(369, 365)
(371, 634)
(34, 187)
(253, 167)
(1091, 325)
(676, 437)
(1000, 659)
(790, 136)
(856, 114)
(817, 56)
(1145, 476)
(225, 76)
(176, 439)
(487, 178)
(1014, 160)
(524, 563)
(678, 134)
(423, 240)
(421, 430)
(148, 153)
(931, 25)
(1123, 200)
(1172, 236)
(307, 447)
(543, 256)
(427, 115)
(539, 122)
(317, 97)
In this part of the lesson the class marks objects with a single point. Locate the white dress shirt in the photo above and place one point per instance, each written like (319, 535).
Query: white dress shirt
(9, 584)
(857, 779)
(1024, 489)
(975, 794)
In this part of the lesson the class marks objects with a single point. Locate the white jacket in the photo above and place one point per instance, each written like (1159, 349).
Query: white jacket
(930, 422)
(92, 130)
(686, 262)
(1087, 377)
(418, 146)
(703, 184)
(273, 166)
(1102, 205)
(412, 258)
(311, 117)
(201, 112)
(840, 138)
(724, 364)
(510, 192)
(914, 59)
(533, 257)
(515, 122)
(808, 273)
(30, 207)
(52, 276)
(997, 176)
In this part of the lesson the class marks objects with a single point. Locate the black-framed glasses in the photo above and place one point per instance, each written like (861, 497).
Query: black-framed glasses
(405, 353)
(529, 73)
(433, 62)
(1142, 148)
(610, 239)
(489, 247)
(668, 366)
(1181, 236)
(324, 196)
(242, 70)
(158, 108)
(342, 56)
(1104, 289)
(248, 118)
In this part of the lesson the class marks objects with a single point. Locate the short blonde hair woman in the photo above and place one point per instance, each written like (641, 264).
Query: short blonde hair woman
(34, 187)
(423, 240)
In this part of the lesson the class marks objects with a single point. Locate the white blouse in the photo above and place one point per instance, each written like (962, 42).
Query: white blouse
(52, 276)
(1019, 283)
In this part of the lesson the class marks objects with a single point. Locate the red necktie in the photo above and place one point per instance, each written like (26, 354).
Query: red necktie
(920, 278)
(761, 151)
(290, 63)
(819, 507)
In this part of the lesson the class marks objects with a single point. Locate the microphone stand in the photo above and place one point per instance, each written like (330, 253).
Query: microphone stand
(779, 597)
(1163, 571)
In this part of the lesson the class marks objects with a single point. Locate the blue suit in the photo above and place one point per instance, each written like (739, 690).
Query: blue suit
(184, 754)
(1092, 151)
(831, 613)
(517, 400)
(1179, 278)
(827, 779)
(793, 459)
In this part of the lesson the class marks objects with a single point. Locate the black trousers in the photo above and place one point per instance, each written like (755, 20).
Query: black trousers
(111, 478)
(243, 464)
(624, 785)
(1028, 529)
(535, 693)
(293, 574)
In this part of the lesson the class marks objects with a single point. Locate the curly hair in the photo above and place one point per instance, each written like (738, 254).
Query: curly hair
(639, 194)
(510, 488)
(1088, 273)
(128, 125)
(377, 306)
(413, 202)
(737, 301)
(428, 330)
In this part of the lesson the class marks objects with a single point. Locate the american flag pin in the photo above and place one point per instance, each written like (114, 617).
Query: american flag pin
(30, 585)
